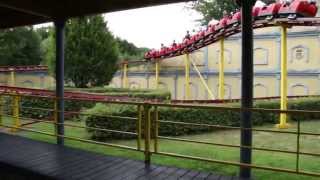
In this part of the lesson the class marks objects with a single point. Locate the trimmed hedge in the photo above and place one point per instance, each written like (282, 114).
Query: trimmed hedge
(76, 106)
(202, 116)
(142, 94)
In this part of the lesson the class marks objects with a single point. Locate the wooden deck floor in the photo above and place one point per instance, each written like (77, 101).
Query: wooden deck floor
(22, 158)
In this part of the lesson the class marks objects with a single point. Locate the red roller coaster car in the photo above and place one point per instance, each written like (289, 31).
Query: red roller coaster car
(298, 8)
(269, 12)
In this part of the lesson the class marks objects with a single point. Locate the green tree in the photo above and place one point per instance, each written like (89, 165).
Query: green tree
(128, 51)
(19, 46)
(91, 52)
(213, 9)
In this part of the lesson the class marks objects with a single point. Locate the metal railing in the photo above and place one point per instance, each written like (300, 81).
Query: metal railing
(147, 124)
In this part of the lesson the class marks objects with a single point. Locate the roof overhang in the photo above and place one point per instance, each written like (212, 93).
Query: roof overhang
(29, 12)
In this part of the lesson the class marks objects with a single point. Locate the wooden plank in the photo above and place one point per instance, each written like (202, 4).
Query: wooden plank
(141, 172)
(177, 174)
(213, 177)
(34, 159)
(152, 173)
(189, 175)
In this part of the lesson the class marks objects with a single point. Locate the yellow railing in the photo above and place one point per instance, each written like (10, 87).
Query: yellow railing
(148, 123)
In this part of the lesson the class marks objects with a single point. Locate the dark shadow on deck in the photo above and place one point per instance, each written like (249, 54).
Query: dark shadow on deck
(22, 158)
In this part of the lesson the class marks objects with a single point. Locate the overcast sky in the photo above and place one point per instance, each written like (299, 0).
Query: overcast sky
(149, 27)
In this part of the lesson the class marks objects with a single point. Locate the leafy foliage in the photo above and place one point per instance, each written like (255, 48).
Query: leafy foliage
(128, 51)
(91, 53)
(189, 115)
(19, 46)
(213, 9)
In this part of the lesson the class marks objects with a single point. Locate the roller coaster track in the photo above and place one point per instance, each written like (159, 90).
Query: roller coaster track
(100, 98)
(23, 68)
(67, 95)
(231, 30)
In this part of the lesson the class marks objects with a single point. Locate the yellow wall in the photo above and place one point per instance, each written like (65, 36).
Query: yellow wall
(303, 67)
(28, 80)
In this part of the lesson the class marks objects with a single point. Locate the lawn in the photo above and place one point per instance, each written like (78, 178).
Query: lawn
(260, 139)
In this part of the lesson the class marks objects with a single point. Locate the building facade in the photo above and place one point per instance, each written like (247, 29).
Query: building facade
(303, 67)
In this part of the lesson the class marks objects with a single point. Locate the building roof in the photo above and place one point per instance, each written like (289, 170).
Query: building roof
(29, 12)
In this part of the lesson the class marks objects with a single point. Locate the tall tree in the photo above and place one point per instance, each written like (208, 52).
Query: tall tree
(91, 52)
(214, 9)
(128, 51)
(19, 46)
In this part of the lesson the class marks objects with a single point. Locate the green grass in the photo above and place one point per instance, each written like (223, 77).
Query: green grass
(260, 139)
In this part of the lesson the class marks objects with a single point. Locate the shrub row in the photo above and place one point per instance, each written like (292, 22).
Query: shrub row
(142, 94)
(191, 115)
(39, 104)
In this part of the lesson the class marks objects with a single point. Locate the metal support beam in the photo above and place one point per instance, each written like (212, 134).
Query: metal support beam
(157, 74)
(284, 85)
(59, 26)
(187, 77)
(125, 75)
(221, 70)
(12, 77)
(246, 87)
(204, 83)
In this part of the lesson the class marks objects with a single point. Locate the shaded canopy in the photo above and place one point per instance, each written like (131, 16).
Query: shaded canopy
(29, 12)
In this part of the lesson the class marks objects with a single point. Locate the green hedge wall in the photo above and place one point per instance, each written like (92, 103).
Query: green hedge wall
(27, 102)
(229, 118)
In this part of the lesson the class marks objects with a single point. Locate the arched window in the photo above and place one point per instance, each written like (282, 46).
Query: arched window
(227, 91)
(299, 54)
(194, 91)
(163, 85)
(260, 90)
(28, 84)
(134, 85)
(299, 90)
(261, 56)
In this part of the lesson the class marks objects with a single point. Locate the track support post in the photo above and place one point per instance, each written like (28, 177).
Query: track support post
(59, 27)
(284, 82)
(138, 123)
(156, 128)
(157, 73)
(187, 77)
(125, 75)
(147, 133)
(16, 113)
(1, 109)
(12, 77)
(221, 70)
(246, 87)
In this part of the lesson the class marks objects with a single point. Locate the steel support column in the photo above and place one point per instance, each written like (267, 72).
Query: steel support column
(284, 84)
(59, 26)
(221, 70)
(125, 75)
(157, 73)
(187, 77)
(246, 87)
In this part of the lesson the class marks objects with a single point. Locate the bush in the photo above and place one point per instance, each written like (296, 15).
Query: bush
(142, 94)
(191, 115)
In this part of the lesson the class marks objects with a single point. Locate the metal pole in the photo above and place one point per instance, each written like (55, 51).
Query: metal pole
(59, 26)
(157, 74)
(187, 77)
(246, 87)
(221, 70)
(125, 75)
(284, 85)
(204, 83)
(13, 78)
